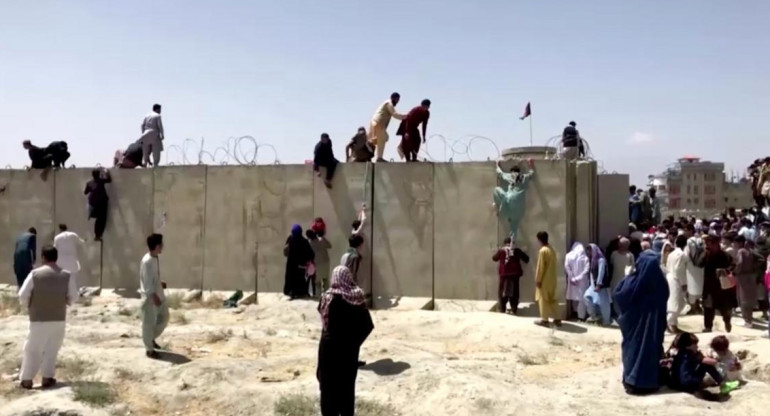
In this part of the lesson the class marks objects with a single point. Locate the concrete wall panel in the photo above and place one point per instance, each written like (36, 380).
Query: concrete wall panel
(466, 227)
(178, 213)
(613, 207)
(230, 244)
(285, 198)
(339, 207)
(71, 208)
(546, 210)
(129, 221)
(585, 202)
(27, 201)
(402, 232)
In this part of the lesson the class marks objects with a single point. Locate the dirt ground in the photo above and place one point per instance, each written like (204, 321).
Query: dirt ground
(260, 360)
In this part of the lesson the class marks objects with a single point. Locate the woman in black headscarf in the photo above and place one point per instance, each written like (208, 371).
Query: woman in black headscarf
(298, 254)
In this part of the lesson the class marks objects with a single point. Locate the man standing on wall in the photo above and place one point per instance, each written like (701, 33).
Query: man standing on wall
(154, 308)
(98, 200)
(570, 142)
(378, 129)
(66, 244)
(46, 293)
(409, 130)
(152, 136)
(24, 255)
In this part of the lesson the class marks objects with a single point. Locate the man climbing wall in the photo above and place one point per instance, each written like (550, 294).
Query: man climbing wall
(510, 203)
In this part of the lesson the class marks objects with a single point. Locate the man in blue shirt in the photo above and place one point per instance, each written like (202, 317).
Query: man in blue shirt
(24, 255)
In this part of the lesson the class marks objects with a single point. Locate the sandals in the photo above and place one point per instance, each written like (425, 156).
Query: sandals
(26, 384)
(48, 382)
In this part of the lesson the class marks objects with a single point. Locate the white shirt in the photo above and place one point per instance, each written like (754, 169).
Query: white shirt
(153, 122)
(676, 267)
(25, 292)
(384, 113)
(66, 243)
(149, 277)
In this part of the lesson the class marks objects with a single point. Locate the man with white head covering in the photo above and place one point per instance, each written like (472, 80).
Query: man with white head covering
(578, 268)
(67, 244)
(622, 265)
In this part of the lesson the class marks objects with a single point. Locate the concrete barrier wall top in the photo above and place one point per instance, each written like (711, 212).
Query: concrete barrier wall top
(71, 208)
(26, 202)
(585, 202)
(178, 213)
(129, 222)
(465, 230)
(402, 241)
(230, 244)
(285, 198)
(339, 207)
(546, 210)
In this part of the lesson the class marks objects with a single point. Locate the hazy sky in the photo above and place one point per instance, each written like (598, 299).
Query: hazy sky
(646, 81)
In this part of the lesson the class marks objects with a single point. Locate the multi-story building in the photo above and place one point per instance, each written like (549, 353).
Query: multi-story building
(693, 186)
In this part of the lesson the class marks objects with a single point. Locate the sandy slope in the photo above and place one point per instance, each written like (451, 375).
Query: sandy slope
(448, 363)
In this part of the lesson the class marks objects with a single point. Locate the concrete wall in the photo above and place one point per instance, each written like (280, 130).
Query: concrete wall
(26, 202)
(585, 202)
(612, 201)
(431, 228)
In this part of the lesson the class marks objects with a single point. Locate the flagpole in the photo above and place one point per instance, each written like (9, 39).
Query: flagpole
(530, 129)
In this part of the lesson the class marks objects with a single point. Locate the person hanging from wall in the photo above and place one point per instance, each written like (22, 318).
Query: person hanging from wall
(130, 158)
(46, 293)
(510, 203)
(359, 150)
(570, 142)
(152, 136)
(323, 156)
(509, 259)
(410, 132)
(67, 244)
(378, 129)
(55, 154)
(98, 201)
(25, 255)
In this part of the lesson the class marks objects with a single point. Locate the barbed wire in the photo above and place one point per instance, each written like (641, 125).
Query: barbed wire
(458, 147)
(243, 150)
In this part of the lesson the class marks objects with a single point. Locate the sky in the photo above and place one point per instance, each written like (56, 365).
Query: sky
(646, 81)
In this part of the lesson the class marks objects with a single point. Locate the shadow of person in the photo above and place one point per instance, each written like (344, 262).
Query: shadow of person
(387, 367)
(571, 328)
(173, 358)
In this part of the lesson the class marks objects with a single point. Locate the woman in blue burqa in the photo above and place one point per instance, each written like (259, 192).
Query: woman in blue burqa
(642, 298)
(510, 203)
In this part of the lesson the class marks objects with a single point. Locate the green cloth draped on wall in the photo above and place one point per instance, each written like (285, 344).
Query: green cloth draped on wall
(510, 203)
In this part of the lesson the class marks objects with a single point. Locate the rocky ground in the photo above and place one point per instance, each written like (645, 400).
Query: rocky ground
(260, 360)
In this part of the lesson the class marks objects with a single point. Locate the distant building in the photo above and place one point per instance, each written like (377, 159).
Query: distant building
(693, 186)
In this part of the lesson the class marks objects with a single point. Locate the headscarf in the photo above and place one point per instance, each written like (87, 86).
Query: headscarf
(663, 254)
(296, 231)
(596, 254)
(575, 257)
(645, 283)
(342, 284)
(695, 248)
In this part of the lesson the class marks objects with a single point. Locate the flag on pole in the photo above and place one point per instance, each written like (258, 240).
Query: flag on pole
(527, 112)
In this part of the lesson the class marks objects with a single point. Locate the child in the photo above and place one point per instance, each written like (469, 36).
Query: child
(310, 270)
(727, 363)
(320, 246)
(690, 367)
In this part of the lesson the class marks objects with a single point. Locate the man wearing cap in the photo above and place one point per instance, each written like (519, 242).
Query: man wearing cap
(570, 142)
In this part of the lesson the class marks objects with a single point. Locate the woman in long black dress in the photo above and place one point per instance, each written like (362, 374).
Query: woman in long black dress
(346, 324)
(298, 253)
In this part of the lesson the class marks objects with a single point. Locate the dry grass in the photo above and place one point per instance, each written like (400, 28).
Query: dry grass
(179, 318)
(125, 374)
(10, 363)
(174, 300)
(211, 302)
(373, 408)
(219, 335)
(9, 305)
(484, 405)
(72, 369)
(295, 405)
(531, 359)
(93, 393)
(556, 342)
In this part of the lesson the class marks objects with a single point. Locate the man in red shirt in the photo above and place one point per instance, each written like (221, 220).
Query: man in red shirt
(510, 270)
(409, 130)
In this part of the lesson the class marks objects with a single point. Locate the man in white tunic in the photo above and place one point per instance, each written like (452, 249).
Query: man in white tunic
(152, 136)
(378, 129)
(67, 244)
(622, 263)
(154, 308)
(578, 268)
(695, 253)
(46, 292)
(676, 275)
